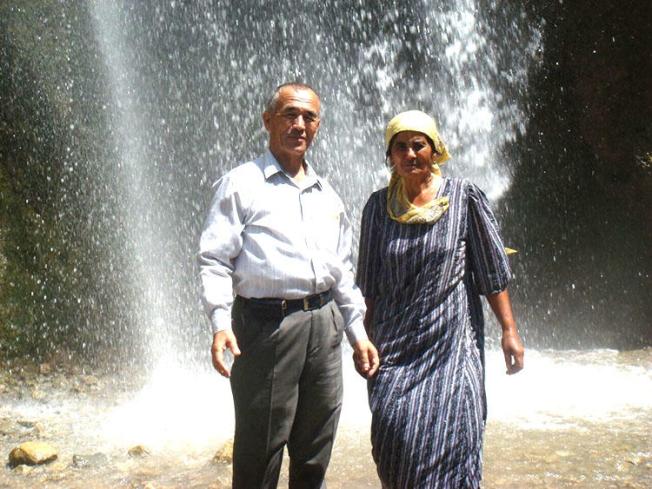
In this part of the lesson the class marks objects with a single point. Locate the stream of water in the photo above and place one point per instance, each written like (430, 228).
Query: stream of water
(572, 419)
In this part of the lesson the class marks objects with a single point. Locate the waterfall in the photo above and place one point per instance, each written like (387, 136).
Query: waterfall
(189, 82)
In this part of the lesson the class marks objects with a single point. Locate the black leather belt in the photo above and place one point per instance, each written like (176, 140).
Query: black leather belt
(288, 306)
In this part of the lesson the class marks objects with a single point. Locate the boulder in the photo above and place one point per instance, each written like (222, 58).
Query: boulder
(32, 453)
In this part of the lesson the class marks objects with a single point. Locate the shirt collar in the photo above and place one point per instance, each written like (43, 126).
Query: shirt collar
(271, 167)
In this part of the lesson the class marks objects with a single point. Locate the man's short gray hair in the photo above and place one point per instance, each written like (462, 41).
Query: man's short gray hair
(273, 100)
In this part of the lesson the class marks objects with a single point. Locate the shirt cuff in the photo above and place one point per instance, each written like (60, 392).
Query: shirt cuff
(220, 320)
(356, 332)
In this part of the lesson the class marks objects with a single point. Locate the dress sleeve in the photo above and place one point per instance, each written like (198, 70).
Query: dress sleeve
(368, 259)
(489, 261)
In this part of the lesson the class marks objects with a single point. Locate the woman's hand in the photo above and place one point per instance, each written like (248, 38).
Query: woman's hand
(365, 358)
(513, 351)
(511, 342)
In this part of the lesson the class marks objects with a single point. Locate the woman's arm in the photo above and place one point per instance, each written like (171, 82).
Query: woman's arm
(511, 341)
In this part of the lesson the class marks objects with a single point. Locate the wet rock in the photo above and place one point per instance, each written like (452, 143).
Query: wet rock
(27, 423)
(634, 460)
(38, 430)
(38, 395)
(22, 469)
(34, 428)
(93, 460)
(7, 426)
(58, 477)
(45, 369)
(225, 454)
(623, 467)
(90, 380)
(57, 470)
(143, 485)
(60, 382)
(32, 453)
(138, 451)
(26, 371)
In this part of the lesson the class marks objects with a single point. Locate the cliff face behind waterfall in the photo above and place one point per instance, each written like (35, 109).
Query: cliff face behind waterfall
(578, 208)
(580, 201)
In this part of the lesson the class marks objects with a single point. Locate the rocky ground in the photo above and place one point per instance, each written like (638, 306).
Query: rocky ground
(57, 404)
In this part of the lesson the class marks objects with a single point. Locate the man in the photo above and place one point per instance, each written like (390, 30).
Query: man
(278, 237)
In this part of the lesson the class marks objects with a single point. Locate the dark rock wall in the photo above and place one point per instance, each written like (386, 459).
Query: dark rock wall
(581, 197)
(57, 209)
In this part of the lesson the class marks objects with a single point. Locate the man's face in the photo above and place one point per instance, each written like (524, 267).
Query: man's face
(293, 124)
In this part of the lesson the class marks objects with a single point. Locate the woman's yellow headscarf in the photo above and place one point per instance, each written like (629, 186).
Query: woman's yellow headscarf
(415, 120)
(399, 207)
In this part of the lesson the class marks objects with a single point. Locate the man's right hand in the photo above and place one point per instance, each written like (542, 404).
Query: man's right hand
(221, 341)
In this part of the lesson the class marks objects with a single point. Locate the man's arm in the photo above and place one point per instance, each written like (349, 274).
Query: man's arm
(352, 306)
(220, 244)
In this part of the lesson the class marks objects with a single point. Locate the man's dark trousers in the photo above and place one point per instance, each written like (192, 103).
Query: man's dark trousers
(287, 389)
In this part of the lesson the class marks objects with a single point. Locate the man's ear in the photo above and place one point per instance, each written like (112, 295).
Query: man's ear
(266, 118)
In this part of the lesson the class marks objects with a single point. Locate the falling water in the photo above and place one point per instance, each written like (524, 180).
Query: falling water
(185, 86)
(150, 305)
(180, 119)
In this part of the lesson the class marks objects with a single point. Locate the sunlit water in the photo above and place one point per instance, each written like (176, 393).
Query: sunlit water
(570, 419)
(185, 87)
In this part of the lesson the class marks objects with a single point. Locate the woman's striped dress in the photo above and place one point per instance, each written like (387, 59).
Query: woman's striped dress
(427, 399)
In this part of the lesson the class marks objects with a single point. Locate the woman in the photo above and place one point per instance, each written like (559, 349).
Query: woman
(429, 247)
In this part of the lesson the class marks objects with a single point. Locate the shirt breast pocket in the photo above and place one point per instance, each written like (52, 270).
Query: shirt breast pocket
(325, 226)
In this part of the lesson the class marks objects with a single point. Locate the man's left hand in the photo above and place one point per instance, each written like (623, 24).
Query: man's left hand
(365, 358)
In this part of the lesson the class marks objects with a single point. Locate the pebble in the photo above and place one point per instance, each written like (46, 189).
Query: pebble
(45, 369)
(225, 453)
(82, 461)
(38, 395)
(138, 451)
(22, 469)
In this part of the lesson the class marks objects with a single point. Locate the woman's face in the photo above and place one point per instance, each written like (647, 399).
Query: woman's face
(411, 155)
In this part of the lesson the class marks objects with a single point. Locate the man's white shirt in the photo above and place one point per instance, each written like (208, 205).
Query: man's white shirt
(267, 236)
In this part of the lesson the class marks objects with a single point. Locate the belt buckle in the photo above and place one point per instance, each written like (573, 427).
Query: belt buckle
(306, 304)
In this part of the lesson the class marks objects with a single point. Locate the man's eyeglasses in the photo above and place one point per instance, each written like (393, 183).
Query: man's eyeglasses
(291, 115)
